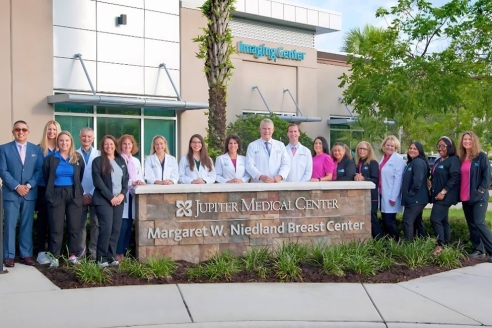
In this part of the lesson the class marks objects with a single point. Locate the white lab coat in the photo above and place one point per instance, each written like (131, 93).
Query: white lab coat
(301, 164)
(186, 176)
(153, 169)
(225, 171)
(391, 178)
(259, 163)
(126, 207)
(87, 183)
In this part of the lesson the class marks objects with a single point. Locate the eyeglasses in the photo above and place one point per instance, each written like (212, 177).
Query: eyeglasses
(196, 142)
(364, 149)
(21, 130)
(441, 146)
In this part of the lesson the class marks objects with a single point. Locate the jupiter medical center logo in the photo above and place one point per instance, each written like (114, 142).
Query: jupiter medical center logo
(183, 208)
(187, 208)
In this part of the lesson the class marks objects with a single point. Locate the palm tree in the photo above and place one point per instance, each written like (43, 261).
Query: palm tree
(216, 48)
(356, 39)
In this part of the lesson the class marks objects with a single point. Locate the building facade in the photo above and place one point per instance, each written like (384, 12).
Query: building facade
(130, 66)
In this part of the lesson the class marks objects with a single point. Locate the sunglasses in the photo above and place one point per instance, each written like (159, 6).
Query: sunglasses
(21, 130)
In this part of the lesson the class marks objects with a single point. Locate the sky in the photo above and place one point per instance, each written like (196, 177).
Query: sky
(355, 13)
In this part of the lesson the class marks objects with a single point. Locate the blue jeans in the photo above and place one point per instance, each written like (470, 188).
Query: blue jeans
(125, 236)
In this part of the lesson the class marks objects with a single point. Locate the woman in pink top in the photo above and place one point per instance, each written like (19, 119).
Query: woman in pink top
(322, 161)
(474, 193)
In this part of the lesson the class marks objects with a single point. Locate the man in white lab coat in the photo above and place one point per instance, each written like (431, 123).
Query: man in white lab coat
(301, 160)
(266, 159)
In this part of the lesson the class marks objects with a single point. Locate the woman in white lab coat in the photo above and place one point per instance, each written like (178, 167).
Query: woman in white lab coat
(196, 167)
(160, 167)
(391, 170)
(231, 167)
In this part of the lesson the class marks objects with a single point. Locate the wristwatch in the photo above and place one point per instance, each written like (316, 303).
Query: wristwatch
(443, 192)
(28, 185)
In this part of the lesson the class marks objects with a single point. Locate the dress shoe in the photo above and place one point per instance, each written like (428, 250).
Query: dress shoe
(9, 263)
(476, 255)
(27, 261)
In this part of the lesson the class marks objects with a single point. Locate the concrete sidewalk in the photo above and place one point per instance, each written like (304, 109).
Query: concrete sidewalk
(458, 298)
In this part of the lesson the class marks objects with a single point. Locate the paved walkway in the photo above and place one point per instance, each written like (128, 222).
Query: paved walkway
(459, 298)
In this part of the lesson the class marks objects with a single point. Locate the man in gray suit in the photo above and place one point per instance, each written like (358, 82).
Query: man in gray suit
(20, 170)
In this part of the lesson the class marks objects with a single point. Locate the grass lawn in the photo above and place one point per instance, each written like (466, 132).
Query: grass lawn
(457, 213)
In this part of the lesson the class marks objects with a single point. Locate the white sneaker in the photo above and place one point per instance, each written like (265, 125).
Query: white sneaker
(54, 263)
(103, 265)
(42, 258)
(114, 263)
(73, 259)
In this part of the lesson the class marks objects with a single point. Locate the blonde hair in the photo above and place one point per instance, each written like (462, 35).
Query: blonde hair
(475, 150)
(391, 138)
(370, 152)
(44, 144)
(74, 156)
(132, 140)
(152, 149)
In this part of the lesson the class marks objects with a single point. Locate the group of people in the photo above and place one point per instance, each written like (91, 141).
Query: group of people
(67, 185)
(64, 186)
(461, 174)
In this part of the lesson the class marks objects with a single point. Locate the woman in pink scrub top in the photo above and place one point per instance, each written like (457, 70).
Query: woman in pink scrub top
(474, 193)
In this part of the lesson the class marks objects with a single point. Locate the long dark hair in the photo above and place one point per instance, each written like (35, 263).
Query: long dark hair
(450, 147)
(204, 159)
(420, 148)
(326, 149)
(236, 138)
(106, 167)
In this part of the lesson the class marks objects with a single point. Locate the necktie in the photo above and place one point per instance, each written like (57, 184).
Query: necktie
(267, 145)
(22, 153)
(293, 151)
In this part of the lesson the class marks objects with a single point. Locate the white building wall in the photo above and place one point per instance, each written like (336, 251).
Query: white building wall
(120, 59)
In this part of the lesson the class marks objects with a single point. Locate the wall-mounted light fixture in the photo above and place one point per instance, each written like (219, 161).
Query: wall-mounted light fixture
(121, 20)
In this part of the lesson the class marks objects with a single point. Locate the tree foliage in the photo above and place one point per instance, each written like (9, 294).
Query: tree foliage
(430, 65)
(357, 38)
(248, 128)
(215, 47)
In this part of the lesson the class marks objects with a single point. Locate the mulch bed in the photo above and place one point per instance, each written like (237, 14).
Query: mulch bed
(64, 278)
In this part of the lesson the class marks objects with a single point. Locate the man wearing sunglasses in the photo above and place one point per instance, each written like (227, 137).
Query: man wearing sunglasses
(20, 169)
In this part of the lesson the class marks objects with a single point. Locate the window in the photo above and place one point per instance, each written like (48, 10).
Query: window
(143, 124)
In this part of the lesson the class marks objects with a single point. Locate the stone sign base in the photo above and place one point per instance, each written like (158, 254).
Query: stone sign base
(193, 222)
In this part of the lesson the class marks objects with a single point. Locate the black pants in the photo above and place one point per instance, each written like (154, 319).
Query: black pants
(376, 230)
(389, 225)
(480, 235)
(412, 221)
(440, 223)
(109, 231)
(418, 226)
(63, 206)
(42, 221)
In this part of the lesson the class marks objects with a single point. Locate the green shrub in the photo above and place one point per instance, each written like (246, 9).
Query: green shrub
(162, 267)
(89, 272)
(288, 260)
(221, 266)
(450, 257)
(257, 260)
(136, 269)
(415, 254)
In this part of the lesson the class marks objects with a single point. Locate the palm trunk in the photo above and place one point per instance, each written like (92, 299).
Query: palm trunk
(217, 116)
